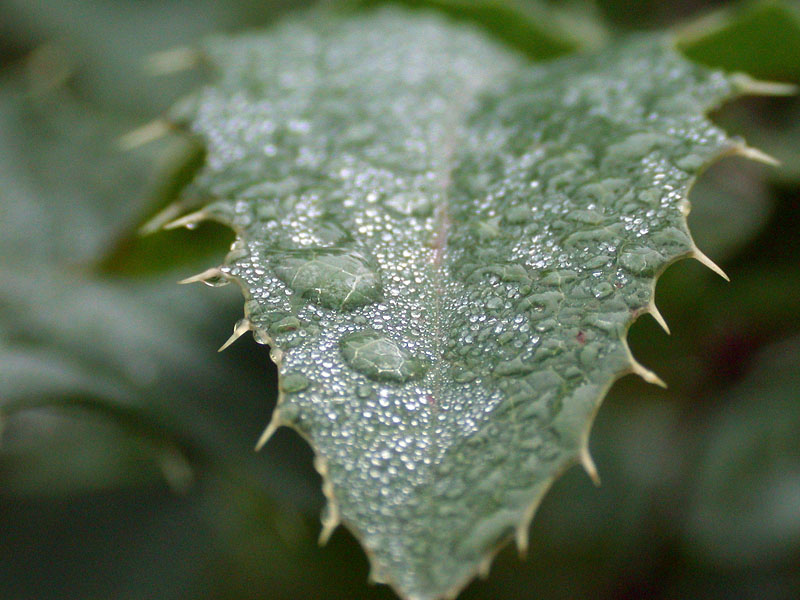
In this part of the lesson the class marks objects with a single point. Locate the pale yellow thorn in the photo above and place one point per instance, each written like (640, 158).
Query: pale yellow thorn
(521, 538)
(188, 221)
(757, 155)
(698, 255)
(144, 134)
(273, 426)
(485, 567)
(647, 375)
(165, 216)
(328, 527)
(656, 314)
(588, 465)
(331, 520)
(757, 87)
(172, 61)
(212, 273)
(242, 327)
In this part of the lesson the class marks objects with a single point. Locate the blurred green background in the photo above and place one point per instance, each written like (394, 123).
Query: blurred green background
(126, 461)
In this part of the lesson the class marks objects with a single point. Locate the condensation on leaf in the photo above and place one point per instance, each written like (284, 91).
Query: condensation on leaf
(447, 246)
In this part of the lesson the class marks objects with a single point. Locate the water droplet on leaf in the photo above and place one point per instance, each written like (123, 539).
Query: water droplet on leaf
(294, 382)
(379, 357)
(331, 277)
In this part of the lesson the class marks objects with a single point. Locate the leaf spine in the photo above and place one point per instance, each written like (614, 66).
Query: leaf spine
(171, 61)
(758, 87)
(646, 374)
(757, 155)
(241, 327)
(659, 318)
(588, 465)
(189, 221)
(145, 134)
(485, 567)
(205, 276)
(270, 429)
(698, 255)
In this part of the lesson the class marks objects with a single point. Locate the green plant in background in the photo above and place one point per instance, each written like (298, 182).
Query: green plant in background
(444, 247)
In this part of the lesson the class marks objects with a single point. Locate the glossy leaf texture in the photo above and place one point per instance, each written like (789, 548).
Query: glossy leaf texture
(444, 246)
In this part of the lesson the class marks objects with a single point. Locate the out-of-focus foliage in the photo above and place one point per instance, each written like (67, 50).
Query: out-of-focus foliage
(539, 29)
(126, 467)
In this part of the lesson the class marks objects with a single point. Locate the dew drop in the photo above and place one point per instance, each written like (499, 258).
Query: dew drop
(331, 277)
(379, 357)
(410, 205)
(294, 382)
(641, 260)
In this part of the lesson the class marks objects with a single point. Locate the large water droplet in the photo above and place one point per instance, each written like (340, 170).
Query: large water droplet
(410, 205)
(294, 382)
(331, 277)
(380, 357)
(641, 260)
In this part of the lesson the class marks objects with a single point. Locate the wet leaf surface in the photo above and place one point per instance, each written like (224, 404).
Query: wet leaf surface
(444, 248)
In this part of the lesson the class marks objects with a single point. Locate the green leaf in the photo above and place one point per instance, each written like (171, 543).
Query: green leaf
(444, 247)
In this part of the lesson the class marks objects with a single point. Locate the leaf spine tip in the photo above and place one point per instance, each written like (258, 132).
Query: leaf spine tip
(164, 216)
(171, 61)
(212, 273)
(485, 567)
(144, 135)
(757, 155)
(588, 465)
(521, 538)
(659, 318)
(328, 527)
(270, 429)
(188, 221)
(647, 374)
(757, 87)
(698, 255)
(330, 519)
(242, 326)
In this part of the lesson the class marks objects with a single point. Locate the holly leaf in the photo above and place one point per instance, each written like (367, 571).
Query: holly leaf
(445, 246)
